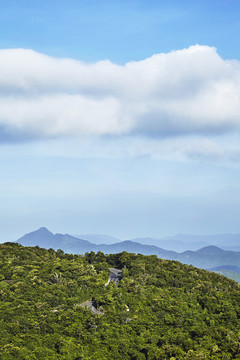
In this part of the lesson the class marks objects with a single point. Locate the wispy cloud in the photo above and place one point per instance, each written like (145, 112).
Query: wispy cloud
(189, 91)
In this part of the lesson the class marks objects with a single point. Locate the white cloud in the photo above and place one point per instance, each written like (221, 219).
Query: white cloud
(189, 91)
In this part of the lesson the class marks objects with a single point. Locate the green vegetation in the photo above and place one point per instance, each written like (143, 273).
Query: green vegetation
(160, 309)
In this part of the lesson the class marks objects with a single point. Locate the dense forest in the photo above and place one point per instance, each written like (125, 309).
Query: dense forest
(160, 309)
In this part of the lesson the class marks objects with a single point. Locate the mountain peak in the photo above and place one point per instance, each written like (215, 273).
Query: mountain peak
(210, 250)
(43, 229)
(33, 238)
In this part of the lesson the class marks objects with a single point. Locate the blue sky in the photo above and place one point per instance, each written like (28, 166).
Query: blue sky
(119, 117)
(121, 31)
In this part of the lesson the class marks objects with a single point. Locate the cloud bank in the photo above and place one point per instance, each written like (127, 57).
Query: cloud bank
(186, 92)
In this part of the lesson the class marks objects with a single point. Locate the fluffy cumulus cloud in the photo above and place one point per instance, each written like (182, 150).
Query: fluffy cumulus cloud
(186, 92)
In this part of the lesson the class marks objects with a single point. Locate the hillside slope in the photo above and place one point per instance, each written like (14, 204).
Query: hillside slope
(159, 309)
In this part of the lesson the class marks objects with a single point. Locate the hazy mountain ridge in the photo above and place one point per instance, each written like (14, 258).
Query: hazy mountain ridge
(46, 239)
(98, 238)
(232, 268)
(208, 257)
(183, 242)
(178, 243)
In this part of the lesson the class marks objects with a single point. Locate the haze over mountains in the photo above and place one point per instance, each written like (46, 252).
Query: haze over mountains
(177, 243)
(207, 257)
(44, 238)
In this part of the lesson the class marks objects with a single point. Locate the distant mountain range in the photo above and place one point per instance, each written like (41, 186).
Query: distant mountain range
(208, 257)
(44, 238)
(98, 238)
(178, 243)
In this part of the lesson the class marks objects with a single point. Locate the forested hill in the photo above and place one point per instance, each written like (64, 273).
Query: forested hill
(160, 309)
